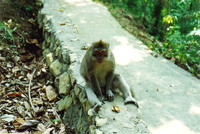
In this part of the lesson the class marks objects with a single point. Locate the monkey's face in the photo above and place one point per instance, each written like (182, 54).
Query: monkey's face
(100, 51)
(100, 54)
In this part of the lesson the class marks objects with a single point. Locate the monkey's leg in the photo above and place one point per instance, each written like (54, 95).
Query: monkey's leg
(109, 81)
(91, 95)
(120, 83)
(94, 84)
(93, 98)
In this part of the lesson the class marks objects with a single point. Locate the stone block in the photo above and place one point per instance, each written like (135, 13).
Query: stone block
(51, 94)
(100, 121)
(49, 58)
(46, 51)
(65, 56)
(56, 44)
(56, 82)
(56, 68)
(44, 45)
(64, 103)
(64, 84)
(73, 58)
(58, 52)
(93, 130)
(77, 90)
(82, 97)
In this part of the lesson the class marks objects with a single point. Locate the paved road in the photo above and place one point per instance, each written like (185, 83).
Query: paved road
(169, 97)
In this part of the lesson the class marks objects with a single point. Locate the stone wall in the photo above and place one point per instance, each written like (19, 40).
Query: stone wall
(63, 54)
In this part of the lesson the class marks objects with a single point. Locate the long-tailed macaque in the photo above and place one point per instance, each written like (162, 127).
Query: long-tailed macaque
(97, 68)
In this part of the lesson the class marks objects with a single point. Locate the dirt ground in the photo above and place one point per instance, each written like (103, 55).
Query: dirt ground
(24, 77)
(19, 28)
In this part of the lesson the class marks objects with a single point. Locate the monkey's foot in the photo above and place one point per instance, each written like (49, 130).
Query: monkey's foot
(97, 107)
(101, 99)
(131, 100)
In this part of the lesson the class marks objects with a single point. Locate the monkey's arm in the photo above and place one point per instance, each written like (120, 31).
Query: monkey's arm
(95, 86)
(109, 81)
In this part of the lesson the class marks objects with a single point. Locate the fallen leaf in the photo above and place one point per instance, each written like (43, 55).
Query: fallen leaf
(37, 101)
(21, 110)
(62, 129)
(32, 41)
(2, 58)
(14, 94)
(20, 120)
(26, 57)
(41, 127)
(9, 23)
(84, 48)
(15, 69)
(29, 76)
(4, 131)
(44, 70)
(32, 21)
(18, 74)
(28, 124)
(62, 24)
(48, 131)
(61, 10)
(116, 109)
(55, 120)
(9, 65)
(8, 117)
(7, 84)
(27, 105)
(16, 59)
(34, 87)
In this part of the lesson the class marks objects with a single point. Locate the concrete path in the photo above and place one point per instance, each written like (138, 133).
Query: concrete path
(169, 97)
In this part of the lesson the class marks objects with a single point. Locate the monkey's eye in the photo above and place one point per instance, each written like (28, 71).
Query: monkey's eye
(100, 53)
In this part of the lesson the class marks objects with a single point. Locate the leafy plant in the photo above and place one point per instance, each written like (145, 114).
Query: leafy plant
(5, 32)
(7, 38)
(170, 22)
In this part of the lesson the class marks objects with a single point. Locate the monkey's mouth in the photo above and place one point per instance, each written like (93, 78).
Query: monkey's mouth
(100, 60)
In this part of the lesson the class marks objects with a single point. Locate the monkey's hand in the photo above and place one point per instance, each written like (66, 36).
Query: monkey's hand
(131, 100)
(101, 99)
(109, 95)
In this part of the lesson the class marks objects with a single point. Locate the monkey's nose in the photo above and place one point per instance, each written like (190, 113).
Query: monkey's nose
(100, 51)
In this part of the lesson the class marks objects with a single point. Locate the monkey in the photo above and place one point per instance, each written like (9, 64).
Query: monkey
(98, 70)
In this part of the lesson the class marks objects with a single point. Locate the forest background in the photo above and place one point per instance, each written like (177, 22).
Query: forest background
(172, 27)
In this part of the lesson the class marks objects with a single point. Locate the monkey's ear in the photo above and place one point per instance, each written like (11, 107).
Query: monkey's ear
(108, 45)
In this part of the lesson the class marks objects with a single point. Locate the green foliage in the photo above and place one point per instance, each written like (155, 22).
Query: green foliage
(6, 37)
(28, 8)
(170, 22)
(184, 51)
(5, 32)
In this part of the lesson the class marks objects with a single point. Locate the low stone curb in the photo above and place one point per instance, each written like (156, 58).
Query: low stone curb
(63, 54)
